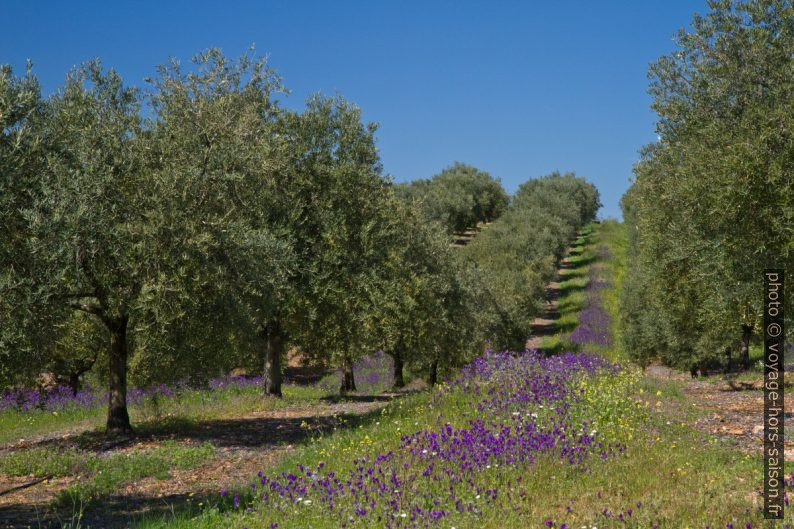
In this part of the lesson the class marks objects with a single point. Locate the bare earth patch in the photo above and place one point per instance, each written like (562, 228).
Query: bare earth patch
(728, 410)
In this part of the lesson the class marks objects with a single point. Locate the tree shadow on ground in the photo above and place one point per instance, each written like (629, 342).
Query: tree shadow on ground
(114, 512)
(357, 398)
(288, 427)
(304, 375)
(561, 346)
(565, 327)
(570, 288)
(566, 274)
(577, 261)
(278, 426)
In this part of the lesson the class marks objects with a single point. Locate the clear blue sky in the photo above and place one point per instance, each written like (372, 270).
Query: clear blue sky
(516, 88)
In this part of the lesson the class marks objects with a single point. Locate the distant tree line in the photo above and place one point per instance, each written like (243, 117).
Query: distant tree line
(179, 231)
(712, 203)
(459, 197)
(517, 256)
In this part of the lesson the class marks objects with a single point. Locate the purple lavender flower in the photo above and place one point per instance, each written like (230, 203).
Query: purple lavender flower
(498, 384)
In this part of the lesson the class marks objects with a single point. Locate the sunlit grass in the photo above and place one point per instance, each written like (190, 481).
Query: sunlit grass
(669, 476)
(191, 405)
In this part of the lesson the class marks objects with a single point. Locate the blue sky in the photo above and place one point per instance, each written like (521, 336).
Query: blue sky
(518, 89)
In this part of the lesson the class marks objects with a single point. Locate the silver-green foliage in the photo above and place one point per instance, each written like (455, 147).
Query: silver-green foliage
(458, 197)
(517, 255)
(712, 204)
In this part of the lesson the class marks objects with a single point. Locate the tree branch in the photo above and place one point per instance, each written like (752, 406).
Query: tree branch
(77, 295)
(91, 309)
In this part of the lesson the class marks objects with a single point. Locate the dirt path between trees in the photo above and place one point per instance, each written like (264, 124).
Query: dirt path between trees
(243, 446)
(730, 411)
(544, 325)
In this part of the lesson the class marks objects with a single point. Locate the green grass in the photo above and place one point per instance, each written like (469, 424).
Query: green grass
(613, 235)
(572, 283)
(101, 475)
(188, 407)
(105, 475)
(16, 425)
(41, 462)
(571, 301)
(670, 389)
(368, 434)
(680, 477)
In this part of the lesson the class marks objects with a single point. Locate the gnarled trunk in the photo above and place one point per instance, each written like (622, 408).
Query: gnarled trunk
(398, 369)
(433, 379)
(274, 348)
(348, 379)
(728, 360)
(747, 333)
(74, 382)
(118, 418)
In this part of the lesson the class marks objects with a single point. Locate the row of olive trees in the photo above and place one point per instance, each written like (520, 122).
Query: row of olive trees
(517, 256)
(504, 271)
(194, 226)
(196, 220)
(459, 197)
(712, 204)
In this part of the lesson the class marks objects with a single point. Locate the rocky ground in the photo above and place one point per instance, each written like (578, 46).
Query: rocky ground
(732, 411)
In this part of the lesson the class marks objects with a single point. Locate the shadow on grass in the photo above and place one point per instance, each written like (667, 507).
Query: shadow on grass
(561, 346)
(357, 398)
(114, 512)
(292, 427)
(304, 375)
(245, 432)
(567, 274)
(564, 327)
(578, 261)
(569, 287)
(583, 239)
(570, 305)
(182, 510)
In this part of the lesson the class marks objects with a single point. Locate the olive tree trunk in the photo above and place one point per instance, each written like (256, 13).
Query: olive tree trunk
(348, 379)
(747, 333)
(433, 379)
(118, 417)
(728, 360)
(74, 382)
(274, 348)
(399, 381)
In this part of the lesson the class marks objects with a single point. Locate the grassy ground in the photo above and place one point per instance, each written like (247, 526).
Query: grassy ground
(670, 474)
(101, 476)
(189, 406)
(68, 447)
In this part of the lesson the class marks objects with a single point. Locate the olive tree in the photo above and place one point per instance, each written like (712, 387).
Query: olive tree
(458, 197)
(218, 139)
(711, 205)
(85, 217)
(337, 225)
(20, 165)
(424, 312)
(517, 255)
(138, 222)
